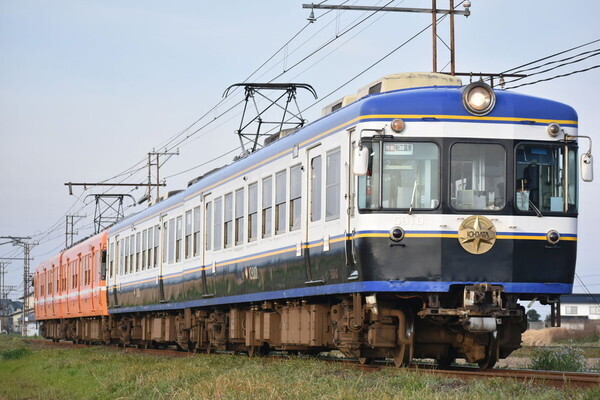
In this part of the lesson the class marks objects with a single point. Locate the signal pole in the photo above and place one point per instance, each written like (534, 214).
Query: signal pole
(70, 233)
(156, 164)
(434, 11)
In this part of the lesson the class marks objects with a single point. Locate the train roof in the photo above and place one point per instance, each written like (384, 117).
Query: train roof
(439, 103)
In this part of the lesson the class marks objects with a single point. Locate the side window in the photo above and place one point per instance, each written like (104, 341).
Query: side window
(178, 238)
(137, 251)
(228, 237)
(131, 253)
(144, 249)
(156, 245)
(267, 206)
(149, 259)
(218, 220)
(280, 202)
(208, 233)
(239, 216)
(127, 241)
(111, 264)
(188, 234)
(196, 237)
(295, 196)
(171, 256)
(332, 185)
(252, 211)
(315, 188)
(121, 257)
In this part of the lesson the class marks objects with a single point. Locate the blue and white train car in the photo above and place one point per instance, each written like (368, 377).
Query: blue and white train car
(407, 223)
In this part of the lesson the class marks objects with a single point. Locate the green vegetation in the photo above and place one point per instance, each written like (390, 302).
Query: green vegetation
(107, 373)
(558, 358)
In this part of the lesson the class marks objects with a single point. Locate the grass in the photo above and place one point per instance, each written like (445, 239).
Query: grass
(103, 373)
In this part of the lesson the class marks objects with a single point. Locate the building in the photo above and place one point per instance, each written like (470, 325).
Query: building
(7, 309)
(578, 310)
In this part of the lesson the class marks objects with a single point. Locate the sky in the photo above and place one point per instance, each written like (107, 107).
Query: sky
(88, 88)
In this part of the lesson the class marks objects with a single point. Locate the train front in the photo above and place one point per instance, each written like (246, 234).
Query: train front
(466, 203)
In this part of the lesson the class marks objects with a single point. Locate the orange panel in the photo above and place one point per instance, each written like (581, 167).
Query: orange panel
(72, 286)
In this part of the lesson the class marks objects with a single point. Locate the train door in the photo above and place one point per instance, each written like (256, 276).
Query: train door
(117, 269)
(208, 257)
(79, 287)
(315, 221)
(162, 257)
(349, 204)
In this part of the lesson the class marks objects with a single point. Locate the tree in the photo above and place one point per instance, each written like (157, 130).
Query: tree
(533, 316)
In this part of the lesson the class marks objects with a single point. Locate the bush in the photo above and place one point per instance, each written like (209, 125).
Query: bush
(14, 354)
(558, 358)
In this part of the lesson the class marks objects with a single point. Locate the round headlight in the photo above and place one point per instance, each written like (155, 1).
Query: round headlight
(479, 98)
(396, 234)
(397, 125)
(553, 237)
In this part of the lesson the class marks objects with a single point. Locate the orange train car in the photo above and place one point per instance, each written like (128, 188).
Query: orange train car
(70, 291)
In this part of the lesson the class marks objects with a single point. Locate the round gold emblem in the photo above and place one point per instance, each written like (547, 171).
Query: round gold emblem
(477, 234)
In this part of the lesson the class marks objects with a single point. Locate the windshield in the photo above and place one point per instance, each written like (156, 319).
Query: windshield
(401, 175)
(478, 176)
(542, 174)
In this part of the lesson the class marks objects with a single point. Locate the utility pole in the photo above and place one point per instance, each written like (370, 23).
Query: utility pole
(4, 288)
(155, 163)
(70, 229)
(23, 241)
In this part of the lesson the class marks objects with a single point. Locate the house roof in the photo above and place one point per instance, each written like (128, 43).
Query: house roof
(579, 298)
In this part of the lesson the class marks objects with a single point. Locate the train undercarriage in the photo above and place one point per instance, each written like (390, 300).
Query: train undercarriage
(479, 323)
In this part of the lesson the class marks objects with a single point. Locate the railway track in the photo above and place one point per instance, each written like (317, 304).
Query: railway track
(555, 379)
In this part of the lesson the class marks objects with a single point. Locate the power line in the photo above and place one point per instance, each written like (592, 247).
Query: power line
(594, 53)
(555, 77)
(550, 56)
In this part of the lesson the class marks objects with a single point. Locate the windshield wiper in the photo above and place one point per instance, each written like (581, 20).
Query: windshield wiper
(537, 210)
(412, 198)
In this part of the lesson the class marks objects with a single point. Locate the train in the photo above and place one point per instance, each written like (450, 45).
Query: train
(408, 221)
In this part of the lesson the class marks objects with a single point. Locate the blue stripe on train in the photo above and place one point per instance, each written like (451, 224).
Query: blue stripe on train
(353, 287)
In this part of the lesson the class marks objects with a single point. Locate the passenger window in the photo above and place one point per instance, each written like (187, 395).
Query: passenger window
(111, 253)
(178, 238)
(252, 211)
(228, 220)
(131, 252)
(315, 192)
(267, 206)
(208, 216)
(150, 246)
(218, 220)
(188, 234)
(280, 202)
(156, 245)
(239, 216)
(126, 256)
(332, 185)
(196, 238)
(295, 196)
(144, 249)
(137, 251)
(171, 240)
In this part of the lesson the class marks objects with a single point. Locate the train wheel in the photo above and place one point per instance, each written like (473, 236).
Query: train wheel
(491, 353)
(403, 352)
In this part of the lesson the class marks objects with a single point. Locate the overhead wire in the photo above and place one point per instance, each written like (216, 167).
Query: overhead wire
(555, 77)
